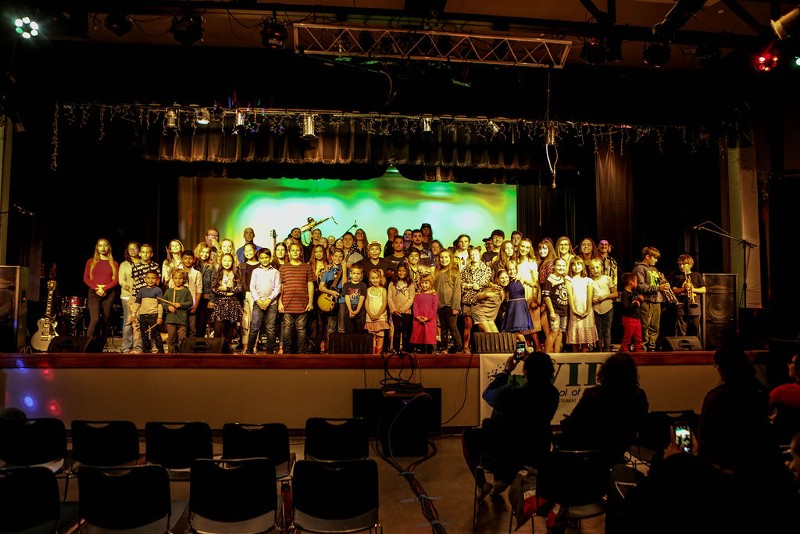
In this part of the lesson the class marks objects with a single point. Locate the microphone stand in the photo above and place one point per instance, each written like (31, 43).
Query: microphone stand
(746, 246)
(354, 225)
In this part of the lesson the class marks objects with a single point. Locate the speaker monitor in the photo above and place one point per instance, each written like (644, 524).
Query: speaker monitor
(350, 343)
(720, 318)
(493, 342)
(211, 345)
(682, 343)
(78, 344)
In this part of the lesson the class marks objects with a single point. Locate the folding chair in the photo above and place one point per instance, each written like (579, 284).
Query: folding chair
(30, 498)
(268, 440)
(336, 438)
(104, 443)
(38, 441)
(233, 496)
(126, 499)
(336, 497)
(175, 445)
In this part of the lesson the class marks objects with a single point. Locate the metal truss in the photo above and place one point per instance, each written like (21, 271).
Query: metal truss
(349, 42)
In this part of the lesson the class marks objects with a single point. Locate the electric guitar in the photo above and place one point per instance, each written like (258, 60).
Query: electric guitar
(325, 301)
(46, 326)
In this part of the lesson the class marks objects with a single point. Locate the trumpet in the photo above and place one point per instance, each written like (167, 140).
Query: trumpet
(691, 298)
(669, 294)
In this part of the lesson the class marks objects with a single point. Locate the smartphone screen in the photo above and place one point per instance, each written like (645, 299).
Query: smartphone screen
(519, 351)
(683, 438)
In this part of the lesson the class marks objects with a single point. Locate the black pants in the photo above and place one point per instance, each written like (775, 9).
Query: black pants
(95, 305)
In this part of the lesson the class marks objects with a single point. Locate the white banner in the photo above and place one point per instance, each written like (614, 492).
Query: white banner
(575, 371)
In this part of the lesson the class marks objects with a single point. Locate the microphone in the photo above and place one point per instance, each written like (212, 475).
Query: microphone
(23, 211)
(355, 225)
(698, 227)
(334, 220)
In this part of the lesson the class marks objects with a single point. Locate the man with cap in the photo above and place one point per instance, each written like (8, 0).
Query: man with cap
(427, 234)
(373, 259)
(493, 244)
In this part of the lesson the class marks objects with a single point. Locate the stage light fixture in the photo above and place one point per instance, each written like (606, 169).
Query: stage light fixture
(787, 25)
(656, 54)
(767, 61)
(187, 28)
(202, 116)
(171, 119)
(493, 127)
(427, 124)
(308, 126)
(594, 50)
(273, 34)
(26, 27)
(118, 23)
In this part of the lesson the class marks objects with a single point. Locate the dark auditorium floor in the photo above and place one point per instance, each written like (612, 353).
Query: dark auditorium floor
(444, 477)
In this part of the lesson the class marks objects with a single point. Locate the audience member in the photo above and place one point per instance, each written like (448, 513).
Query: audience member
(608, 416)
(784, 404)
(519, 432)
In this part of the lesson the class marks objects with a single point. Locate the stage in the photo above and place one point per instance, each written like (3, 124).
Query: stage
(219, 388)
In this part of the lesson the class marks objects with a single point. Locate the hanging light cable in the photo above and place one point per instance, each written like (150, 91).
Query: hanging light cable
(550, 137)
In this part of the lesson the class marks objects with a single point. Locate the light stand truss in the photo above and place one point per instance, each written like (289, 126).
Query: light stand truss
(350, 42)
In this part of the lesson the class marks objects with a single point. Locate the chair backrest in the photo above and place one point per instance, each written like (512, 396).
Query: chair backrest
(30, 500)
(267, 440)
(175, 445)
(33, 441)
(572, 477)
(233, 495)
(336, 438)
(104, 443)
(124, 498)
(335, 496)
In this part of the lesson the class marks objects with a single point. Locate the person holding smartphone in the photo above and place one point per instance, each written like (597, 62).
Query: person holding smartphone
(519, 432)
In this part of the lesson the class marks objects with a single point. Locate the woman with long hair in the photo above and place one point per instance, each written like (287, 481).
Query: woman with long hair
(101, 276)
(447, 284)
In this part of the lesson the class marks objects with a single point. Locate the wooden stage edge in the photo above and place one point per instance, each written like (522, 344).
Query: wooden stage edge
(111, 360)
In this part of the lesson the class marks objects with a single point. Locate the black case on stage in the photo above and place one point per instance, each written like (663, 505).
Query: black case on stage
(682, 343)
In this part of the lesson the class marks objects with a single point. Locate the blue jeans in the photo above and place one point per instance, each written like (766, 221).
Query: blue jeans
(294, 322)
(602, 322)
(259, 315)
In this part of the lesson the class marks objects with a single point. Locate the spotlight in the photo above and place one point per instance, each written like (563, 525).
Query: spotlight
(427, 124)
(308, 126)
(767, 60)
(26, 27)
(273, 34)
(171, 119)
(187, 28)
(594, 51)
(118, 23)
(202, 116)
(656, 54)
(494, 128)
(786, 26)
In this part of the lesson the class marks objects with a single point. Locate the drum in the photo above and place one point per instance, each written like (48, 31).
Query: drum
(73, 306)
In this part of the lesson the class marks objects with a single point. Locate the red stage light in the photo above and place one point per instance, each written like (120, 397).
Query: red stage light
(767, 61)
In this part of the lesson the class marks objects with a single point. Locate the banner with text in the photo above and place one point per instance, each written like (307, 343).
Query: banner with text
(574, 373)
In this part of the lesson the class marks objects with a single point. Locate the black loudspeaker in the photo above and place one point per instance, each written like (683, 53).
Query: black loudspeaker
(211, 345)
(403, 422)
(350, 343)
(493, 342)
(13, 308)
(682, 343)
(76, 344)
(720, 315)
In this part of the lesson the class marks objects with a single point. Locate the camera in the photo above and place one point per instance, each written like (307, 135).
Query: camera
(683, 437)
(519, 351)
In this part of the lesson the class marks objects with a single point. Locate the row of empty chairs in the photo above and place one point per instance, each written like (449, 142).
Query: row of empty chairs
(334, 487)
